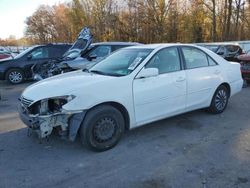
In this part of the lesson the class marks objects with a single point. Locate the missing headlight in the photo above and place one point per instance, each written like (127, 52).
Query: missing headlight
(55, 105)
(49, 106)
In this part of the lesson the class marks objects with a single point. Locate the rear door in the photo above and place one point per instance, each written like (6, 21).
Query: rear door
(203, 77)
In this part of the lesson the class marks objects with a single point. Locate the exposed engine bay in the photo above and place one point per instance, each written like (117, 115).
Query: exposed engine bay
(55, 67)
(46, 115)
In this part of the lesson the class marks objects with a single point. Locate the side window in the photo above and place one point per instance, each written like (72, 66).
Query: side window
(211, 62)
(101, 51)
(55, 52)
(166, 60)
(40, 53)
(194, 58)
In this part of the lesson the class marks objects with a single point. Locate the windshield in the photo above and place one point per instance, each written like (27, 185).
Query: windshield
(24, 52)
(122, 62)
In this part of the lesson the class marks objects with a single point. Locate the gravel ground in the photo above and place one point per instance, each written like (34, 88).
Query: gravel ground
(195, 149)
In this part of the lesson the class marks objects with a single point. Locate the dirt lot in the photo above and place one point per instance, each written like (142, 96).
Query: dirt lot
(196, 149)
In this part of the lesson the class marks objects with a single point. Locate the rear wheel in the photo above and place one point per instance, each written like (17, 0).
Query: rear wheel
(15, 76)
(219, 101)
(102, 128)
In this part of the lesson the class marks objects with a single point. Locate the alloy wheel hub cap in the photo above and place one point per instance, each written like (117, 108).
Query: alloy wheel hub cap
(15, 76)
(221, 100)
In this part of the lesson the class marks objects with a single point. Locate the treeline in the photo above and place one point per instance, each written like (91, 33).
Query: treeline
(146, 21)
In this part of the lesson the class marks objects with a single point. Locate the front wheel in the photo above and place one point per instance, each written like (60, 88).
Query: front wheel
(219, 101)
(15, 76)
(102, 128)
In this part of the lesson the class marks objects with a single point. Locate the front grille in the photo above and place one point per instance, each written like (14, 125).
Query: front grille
(25, 102)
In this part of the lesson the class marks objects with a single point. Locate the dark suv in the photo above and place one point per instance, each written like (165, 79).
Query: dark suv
(228, 51)
(18, 69)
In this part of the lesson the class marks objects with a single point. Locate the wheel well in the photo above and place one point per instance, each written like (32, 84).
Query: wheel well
(13, 68)
(121, 108)
(227, 86)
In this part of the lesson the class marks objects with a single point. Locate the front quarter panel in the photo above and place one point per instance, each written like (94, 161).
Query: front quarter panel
(118, 90)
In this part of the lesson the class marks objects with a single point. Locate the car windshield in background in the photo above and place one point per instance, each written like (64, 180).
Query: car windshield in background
(23, 52)
(122, 62)
(213, 48)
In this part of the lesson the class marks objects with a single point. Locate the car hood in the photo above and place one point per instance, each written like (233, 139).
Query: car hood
(64, 84)
(81, 44)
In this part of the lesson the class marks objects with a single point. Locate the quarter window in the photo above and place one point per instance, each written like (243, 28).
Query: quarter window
(194, 58)
(166, 60)
(211, 62)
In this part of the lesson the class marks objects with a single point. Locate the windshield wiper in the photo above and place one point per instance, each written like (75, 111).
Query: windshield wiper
(105, 73)
(85, 70)
(98, 72)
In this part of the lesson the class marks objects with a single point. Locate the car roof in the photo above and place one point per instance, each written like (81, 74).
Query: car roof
(116, 43)
(220, 44)
(51, 44)
(160, 45)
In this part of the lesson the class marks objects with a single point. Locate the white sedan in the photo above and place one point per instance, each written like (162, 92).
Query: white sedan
(132, 87)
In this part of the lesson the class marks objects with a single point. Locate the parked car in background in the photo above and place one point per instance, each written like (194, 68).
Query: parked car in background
(228, 51)
(5, 55)
(83, 54)
(18, 69)
(94, 54)
(245, 66)
(51, 68)
(131, 87)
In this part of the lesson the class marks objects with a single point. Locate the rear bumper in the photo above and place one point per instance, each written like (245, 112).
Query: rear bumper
(236, 86)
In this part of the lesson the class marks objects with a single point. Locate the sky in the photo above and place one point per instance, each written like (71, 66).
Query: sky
(13, 13)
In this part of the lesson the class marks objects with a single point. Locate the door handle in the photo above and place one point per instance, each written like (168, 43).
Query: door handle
(180, 79)
(217, 72)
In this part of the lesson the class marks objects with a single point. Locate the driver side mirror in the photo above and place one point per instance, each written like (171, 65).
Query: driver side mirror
(148, 72)
(91, 57)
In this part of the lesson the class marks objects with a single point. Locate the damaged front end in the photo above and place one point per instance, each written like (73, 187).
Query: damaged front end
(47, 114)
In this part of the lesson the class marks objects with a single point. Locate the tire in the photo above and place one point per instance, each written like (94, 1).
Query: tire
(219, 101)
(102, 128)
(15, 76)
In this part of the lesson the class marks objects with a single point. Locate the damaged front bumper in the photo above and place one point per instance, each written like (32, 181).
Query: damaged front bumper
(43, 125)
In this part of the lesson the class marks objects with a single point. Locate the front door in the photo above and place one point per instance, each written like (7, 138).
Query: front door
(37, 56)
(163, 95)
